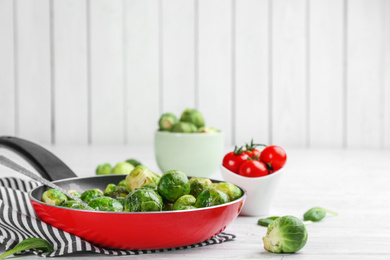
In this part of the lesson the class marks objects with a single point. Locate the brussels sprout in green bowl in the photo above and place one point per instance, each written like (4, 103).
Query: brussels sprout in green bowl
(196, 154)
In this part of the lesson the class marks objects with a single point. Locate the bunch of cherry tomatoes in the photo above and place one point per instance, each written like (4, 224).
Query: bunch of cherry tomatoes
(249, 161)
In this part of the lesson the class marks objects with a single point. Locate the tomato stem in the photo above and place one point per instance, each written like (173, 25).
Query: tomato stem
(238, 151)
(251, 146)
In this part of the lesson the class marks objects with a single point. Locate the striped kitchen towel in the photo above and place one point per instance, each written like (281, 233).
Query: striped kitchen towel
(18, 222)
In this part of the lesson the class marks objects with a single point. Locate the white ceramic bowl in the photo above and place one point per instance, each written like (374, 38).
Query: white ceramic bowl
(260, 190)
(195, 154)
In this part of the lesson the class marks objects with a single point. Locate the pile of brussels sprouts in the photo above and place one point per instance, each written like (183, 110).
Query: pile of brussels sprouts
(191, 121)
(120, 168)
(143, 190)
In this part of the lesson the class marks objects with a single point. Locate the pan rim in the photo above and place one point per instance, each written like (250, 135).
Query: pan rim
(32, 198)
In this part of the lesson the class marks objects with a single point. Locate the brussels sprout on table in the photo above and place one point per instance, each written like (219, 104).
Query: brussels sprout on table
(230, 189)
(185, 200)
(134, 162)
(166, 121)
(122, 168)
(53, 197)
(173, 184)
(103, 169)
(285, 235)
(211, 197)
(142, 200)
(89, 195)
(198, 185)
(140, 176)
(106, 204)
(193, 116)
(183, 127)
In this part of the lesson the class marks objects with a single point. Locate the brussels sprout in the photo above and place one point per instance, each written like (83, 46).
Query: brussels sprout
(186, 207)
(121, 200)
(141, 176)
(185, 200)
(134, 162)
(72, 204)
(211, 197)
(193, 116)
(230, 189)
(53, 197)
(183, 127)
(123, 184)
(106, 204)
(122, 168)
(198, 185)
(208, 130)
(173, 184)
(89, 195)
(103, 169)
(150, 186)
(142, 200)
(285, 235)
(114, 191)
(74, 193)
(166, 121)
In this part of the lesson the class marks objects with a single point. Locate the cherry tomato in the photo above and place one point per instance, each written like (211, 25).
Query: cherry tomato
(233, 160)
(274, 156)
(252, 151)
(255, 153)
(253, 168)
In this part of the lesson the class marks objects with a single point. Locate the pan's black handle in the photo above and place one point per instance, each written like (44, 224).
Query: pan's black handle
(46, 163)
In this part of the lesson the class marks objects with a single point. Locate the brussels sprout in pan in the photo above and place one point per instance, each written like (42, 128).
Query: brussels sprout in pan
(103, 169)
(185, 200)
(142, 200)
(122, 168)
(141, 176)
(193, 116)
(173, 184)
(211, 197)
(74, 193)
(183, 127)
(72, 204)
(106, 204)
(53, 197)
(123, 184)
(89, 195)
(166, 121)
(198, 185)
(230, 189)
(115, 191)
(186, 207)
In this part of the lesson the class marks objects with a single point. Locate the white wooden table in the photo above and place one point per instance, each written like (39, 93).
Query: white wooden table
(354, 183)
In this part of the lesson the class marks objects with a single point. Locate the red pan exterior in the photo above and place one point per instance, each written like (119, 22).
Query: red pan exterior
(152, 230)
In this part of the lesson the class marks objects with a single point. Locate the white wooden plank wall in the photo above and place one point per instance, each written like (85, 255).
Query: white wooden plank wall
(301, 73)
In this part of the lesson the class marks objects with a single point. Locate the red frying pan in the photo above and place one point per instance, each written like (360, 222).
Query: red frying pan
(127, 230)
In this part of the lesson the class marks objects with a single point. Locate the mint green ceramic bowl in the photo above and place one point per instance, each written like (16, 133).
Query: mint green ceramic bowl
(195, 154)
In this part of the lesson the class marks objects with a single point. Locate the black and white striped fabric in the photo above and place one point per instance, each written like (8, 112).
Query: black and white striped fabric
(18, 222)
